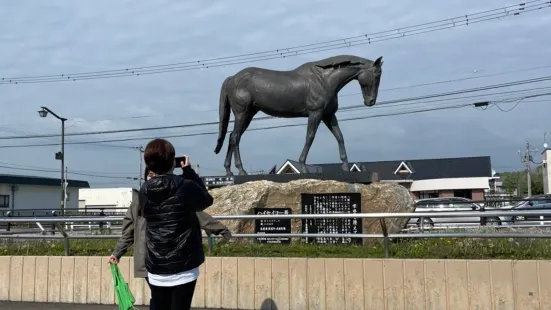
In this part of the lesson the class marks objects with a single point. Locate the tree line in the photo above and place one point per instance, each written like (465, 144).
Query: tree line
(516, 182)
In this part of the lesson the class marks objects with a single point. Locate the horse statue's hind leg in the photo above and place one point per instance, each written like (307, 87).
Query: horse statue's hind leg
(333, 125)
(242, 122)
(227, 161)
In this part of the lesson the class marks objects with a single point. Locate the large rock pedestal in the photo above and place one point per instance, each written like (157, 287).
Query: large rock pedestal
(243, 198)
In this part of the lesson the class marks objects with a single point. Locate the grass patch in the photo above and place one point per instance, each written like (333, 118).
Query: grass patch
(437, 248)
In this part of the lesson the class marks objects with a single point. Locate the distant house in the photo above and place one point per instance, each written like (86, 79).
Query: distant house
(425, 178)
(20, 192)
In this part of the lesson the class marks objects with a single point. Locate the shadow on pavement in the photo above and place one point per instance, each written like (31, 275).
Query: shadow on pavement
(268, 304)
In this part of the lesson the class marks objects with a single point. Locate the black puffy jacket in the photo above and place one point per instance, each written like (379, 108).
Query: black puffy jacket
(173, 235)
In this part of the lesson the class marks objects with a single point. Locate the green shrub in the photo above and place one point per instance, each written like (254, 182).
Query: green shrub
(442, 248)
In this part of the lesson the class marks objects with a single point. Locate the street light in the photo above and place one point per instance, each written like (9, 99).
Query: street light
(60, 155)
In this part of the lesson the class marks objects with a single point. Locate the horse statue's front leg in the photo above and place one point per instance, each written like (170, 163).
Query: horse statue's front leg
(314, 120)
(333, 125)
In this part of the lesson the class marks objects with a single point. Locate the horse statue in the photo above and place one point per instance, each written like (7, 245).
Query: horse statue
(309, 91)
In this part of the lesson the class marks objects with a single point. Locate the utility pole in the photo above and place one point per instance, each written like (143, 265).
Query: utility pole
(527, 159)
(65, 183)
(63, 174)
(141, 175)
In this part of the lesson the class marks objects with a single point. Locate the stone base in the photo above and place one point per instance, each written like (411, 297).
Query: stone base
(243, 198)
(348, 177)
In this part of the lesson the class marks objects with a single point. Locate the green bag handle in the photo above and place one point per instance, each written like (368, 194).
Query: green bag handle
(124, 296)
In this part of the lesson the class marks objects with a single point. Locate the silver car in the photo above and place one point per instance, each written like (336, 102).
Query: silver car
(535, 203)
(451, 204)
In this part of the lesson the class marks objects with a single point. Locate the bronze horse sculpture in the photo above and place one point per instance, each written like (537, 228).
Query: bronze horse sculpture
(307, 91)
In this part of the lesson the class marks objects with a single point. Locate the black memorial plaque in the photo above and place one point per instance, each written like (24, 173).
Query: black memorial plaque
(273, 226)
(332, 204)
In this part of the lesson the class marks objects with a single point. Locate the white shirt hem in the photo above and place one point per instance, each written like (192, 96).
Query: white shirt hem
(170, 280)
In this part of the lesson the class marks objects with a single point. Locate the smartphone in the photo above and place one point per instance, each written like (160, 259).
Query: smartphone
(179, 160)
(178, 168)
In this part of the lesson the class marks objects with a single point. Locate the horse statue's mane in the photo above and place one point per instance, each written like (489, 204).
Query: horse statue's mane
(338, 60)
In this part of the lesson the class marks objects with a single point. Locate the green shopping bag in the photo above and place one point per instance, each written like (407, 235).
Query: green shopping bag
(124, 296)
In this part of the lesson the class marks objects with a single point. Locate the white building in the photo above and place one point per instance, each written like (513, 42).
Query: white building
(546, 157)
(109, 199)
(30, 193)
(467, 177)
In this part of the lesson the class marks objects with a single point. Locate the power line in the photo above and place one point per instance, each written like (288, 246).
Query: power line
(75, 173)
(113, 183)
(343, 95)
(122, 175)
(455, 80)
(500, 95)
(463, 91)
(345, 108)
(133, 138)
(470, 104)
(57, 170)
(13, 130)
(282, 126)
(458, 21)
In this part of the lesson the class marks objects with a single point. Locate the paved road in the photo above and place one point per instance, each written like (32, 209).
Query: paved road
(51, 306)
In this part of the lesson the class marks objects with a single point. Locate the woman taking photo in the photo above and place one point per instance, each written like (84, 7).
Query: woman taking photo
(173, 235)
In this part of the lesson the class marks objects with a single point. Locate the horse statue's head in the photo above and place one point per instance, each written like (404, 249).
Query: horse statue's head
(369, 78)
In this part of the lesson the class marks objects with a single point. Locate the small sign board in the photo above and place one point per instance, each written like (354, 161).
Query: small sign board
(332, 204)
(213, 182)
(273, 226)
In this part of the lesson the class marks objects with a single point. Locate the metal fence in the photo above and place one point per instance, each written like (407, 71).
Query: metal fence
(60, 222)
(488, 204)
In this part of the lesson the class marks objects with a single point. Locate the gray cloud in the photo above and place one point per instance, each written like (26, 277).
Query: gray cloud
(57, 37)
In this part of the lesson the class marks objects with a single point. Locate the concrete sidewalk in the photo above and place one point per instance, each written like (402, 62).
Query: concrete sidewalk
(52, 306)
(48, 306)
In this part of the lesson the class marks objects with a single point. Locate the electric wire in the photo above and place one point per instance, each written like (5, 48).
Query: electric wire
(458, 21)
(344, 108)
(57, 170)
(497, 96)
(438, 108)
(343, 95)
(14, 130)
(121, 175)
(69, 172)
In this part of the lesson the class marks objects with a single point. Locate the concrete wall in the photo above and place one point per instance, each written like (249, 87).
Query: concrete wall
(247, 283)
(40, 197)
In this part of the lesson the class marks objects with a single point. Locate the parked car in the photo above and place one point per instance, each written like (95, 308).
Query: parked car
(537, 202)
(451, 204)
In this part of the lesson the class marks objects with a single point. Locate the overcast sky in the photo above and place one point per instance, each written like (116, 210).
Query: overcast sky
(60, 37)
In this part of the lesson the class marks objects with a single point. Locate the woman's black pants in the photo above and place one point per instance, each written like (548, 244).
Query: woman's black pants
(172, 298)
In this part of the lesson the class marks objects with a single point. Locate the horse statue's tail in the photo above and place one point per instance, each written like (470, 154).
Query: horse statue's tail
(224, 111)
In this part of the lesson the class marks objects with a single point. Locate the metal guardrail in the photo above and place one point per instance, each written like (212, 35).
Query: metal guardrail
(111, 210)
(58, 221)
(442, 214)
